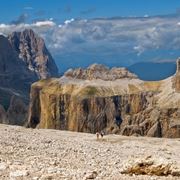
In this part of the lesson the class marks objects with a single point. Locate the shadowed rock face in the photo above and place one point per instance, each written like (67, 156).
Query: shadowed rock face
(15, 81)
(17, 111)
(81, 101)
(32, 50)
(3, 115)
(15, 78)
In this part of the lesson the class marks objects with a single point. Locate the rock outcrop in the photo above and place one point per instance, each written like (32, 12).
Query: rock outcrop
(113, 100)
(149, 166)
(24, 59)
(176, 79)
(33, 52)
(97, 71)
(17, 112)
(3, 115)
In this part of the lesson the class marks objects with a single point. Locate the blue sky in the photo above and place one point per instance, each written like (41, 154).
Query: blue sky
(65, 9)
(76, 37)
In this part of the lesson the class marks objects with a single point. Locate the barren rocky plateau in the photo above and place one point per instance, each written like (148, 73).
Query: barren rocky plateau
(40, 154)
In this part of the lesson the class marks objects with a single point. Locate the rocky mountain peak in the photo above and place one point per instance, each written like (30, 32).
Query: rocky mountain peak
(24, 59)
(33, 52)
(98, 67)
(99, 71)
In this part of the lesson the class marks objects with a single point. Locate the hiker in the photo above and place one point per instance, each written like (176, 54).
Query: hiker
(97, 135)
(102, 134)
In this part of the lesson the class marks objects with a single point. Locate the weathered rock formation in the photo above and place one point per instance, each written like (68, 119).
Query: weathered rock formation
(33, 52)
(97, 71)
(149, 166)
(3, 115)
(23, 60)
(16, 114)
(176, 80)
(113, 100)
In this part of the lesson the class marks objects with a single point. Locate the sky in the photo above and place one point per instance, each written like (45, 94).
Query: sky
(60, 10)
(112, 32)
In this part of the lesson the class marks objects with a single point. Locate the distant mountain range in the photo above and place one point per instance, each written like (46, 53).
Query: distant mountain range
(148, 71)
(151, 71)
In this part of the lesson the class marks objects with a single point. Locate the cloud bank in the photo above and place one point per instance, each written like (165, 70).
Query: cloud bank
(112, 41)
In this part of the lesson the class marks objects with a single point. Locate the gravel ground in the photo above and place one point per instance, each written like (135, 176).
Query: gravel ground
(51, 154)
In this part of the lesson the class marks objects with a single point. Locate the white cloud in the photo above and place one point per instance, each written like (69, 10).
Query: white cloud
(146, 15)
(139, 49)
(124, 38)
(44, 23)
(68, 21)
(3, 25)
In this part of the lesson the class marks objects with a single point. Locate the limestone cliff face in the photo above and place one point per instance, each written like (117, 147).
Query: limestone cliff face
(176, 79)
(33, 52)
(34, 116)
(85, 103)
(86, 114)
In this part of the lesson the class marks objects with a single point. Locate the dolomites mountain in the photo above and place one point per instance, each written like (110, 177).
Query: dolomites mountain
(23, 60)
(113, 100)
(33, 52)
(15, 78)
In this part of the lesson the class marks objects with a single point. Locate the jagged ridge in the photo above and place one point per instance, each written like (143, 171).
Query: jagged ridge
(98, 71)
(32, 50)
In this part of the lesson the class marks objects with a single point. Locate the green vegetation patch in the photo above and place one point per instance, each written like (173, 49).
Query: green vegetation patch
(90, 91)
